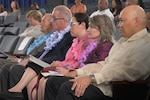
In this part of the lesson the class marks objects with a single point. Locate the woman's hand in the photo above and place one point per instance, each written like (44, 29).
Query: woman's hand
(54, 64)
(14, 59)
(71, 74)
(62, 70)
(24, 62)
(80, 85)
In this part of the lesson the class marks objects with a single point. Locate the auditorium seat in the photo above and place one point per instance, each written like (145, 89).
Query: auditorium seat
(9, 21)
(22, 45)
(21, 30)
(23, 18)
(11, 31)
(2, 30)
(1, 37)
(1, 19)
(137, 90)
(21, 24)
(8, 43)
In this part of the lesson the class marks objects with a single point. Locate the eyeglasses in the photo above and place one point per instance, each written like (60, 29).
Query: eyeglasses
(74, 23)
(57, 18)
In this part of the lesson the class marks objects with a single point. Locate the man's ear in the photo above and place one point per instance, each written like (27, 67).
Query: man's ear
(137, 21)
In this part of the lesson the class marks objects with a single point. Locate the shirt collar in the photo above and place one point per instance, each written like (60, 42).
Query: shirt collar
(137, 35)
(103, 10)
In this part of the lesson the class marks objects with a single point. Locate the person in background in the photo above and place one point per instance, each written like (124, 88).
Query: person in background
(130, 63)
(141, 3)
(2, 11)
(116, 8)
(78, 7)
(35, 6)
(14, 9)
(135, 2)
(103, 9)
(56, 47)
(34, 18)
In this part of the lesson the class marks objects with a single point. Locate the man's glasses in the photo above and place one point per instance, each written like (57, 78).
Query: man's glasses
(54, 18)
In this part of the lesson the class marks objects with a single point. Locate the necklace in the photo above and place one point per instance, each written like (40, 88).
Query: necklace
(55, 38)
(37, 42)
(86, 52)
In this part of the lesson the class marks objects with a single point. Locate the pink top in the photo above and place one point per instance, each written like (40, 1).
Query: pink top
(73, 54)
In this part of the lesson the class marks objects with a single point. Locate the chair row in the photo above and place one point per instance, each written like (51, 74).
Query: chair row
(15, 45)
(10, 20)
(12, 30)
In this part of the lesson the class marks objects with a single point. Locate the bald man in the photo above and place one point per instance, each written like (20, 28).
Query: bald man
(129, 60)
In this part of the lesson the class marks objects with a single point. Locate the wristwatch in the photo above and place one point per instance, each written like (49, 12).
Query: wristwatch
(92, 77)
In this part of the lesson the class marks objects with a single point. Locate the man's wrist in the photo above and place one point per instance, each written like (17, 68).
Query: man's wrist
(92, 77)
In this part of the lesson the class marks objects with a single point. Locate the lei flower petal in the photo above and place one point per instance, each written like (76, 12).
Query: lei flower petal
(37, 42)
(86, 52)
(55, 38)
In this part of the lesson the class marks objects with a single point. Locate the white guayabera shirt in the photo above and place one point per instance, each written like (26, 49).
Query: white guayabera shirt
(129, 59)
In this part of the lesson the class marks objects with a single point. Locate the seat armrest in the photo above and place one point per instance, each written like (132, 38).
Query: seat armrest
(127, 82)
(124, 90)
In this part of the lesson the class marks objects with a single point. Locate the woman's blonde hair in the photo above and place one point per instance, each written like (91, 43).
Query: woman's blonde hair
(106, 27)
(37, 15)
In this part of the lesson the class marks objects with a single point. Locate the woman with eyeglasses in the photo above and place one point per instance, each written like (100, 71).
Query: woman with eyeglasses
(101, 30)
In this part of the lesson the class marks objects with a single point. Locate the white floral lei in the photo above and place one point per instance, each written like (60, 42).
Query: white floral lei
(55, 38)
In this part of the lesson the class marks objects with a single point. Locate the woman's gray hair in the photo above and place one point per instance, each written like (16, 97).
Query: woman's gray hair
(106, 27)
(64, 12)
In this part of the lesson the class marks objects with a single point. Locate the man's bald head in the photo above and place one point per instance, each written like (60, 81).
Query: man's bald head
(135, 11)
(132, 20)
